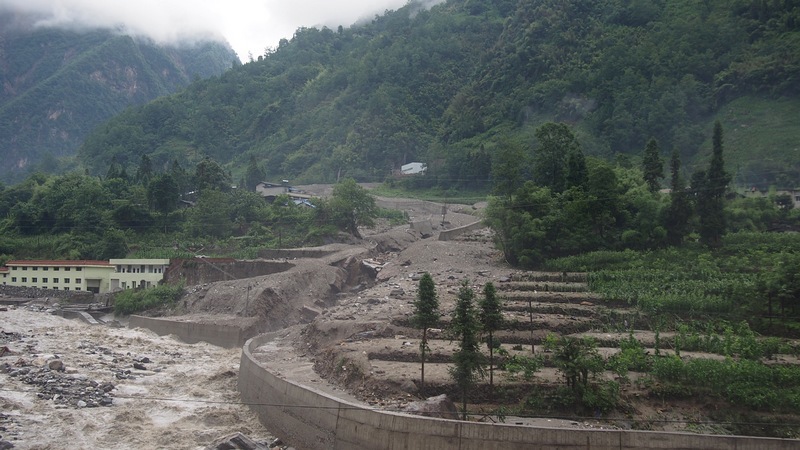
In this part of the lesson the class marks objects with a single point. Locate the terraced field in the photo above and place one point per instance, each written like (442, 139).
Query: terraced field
(379, 360)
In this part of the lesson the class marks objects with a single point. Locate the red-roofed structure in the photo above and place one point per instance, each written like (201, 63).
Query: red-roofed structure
(56, 262)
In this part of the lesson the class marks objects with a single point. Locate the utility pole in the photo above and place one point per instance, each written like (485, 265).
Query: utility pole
(530, 315)
(247, 302)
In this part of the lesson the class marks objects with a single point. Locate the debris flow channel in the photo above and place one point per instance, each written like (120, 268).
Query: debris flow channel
(67, 384)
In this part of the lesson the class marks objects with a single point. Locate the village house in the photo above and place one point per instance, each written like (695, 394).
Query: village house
(794, 194)
(270, 191)
(137, 273)
(413, 168)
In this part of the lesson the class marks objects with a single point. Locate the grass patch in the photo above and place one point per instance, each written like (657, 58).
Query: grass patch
(764, 127)
(135, 300)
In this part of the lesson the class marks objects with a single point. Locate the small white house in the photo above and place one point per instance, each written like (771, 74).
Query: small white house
(137, 273)
(413, 168)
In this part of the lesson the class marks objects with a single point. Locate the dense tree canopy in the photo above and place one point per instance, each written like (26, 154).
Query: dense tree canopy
(77, 216)
(351, 206)
(458, 84)
(616, 208)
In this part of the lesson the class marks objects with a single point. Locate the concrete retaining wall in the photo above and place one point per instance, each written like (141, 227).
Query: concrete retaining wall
(226, 336)
(292, 253)
(209, 270)
(421, 207)
(446, 235)
(310, 419)
(33, 292)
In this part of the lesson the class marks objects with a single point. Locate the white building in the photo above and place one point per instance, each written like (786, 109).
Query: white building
(137, 273)
(413, 168)
(62, 275)
(93, 276)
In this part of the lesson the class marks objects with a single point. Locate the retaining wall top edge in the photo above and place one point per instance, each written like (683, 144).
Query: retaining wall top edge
(264, 338)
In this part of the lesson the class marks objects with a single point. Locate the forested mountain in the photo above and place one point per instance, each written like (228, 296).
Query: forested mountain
(57, 85)
(452, 84)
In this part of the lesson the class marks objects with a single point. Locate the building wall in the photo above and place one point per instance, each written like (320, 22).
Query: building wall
(94, 279)
(92, 276)
(58, 277)
(413, 168)
(137, 273)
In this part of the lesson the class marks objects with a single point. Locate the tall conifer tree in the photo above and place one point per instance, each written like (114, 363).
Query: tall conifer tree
(652, 165)
(426, 315)
(712, 195)
(491, 317)
(680, 208)
(468, 358)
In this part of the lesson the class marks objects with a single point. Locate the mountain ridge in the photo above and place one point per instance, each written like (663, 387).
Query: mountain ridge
(58, 84)
(457, 83)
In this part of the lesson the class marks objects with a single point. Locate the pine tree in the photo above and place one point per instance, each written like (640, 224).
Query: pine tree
(711, 197)
(577, 172)
(491, 317)
(468, 358)
(652, 165)
(556, 141)
(680, 209)
(145, 170)
(254, 175)
(425, 315)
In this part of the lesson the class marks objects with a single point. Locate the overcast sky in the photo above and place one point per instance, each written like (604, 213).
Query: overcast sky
(249, 25)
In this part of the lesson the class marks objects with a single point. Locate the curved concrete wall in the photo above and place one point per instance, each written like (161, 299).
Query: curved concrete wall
(446, 235)
(310, 420)
(422, 206)
(190, 332)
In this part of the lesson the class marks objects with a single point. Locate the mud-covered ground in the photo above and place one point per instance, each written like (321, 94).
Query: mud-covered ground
(338, 332)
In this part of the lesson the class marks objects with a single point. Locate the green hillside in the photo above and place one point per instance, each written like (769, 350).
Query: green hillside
(58, 85)
(452, 84)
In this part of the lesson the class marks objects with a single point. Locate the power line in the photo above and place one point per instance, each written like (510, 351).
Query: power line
(398, 410)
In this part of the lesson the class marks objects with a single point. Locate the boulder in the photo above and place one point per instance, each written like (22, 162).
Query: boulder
(439, 406)
(236, 441)
(55, 365)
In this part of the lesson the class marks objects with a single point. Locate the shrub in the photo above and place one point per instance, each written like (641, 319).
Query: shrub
(134, 300)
